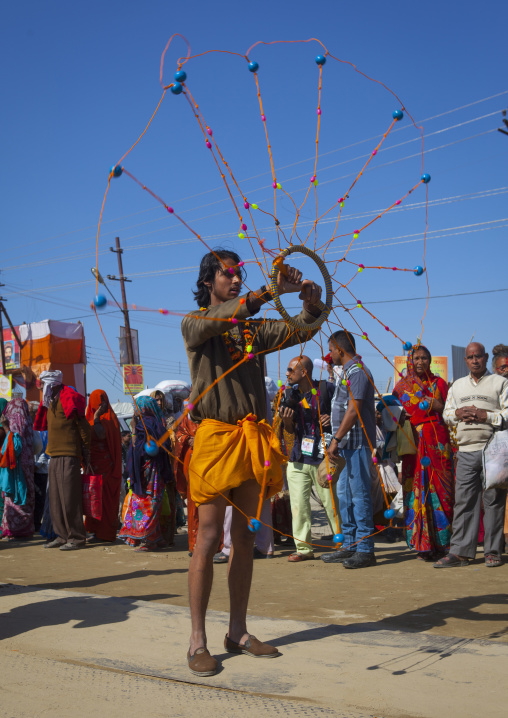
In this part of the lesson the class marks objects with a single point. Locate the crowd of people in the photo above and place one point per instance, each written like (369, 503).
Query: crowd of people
(409, 463)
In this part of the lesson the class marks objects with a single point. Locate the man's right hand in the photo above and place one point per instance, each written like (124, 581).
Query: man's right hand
(466, 413)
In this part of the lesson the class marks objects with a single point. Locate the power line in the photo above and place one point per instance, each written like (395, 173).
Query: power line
(339, 149)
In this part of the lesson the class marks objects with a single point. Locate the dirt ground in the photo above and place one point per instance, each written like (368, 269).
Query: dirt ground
(401, 592)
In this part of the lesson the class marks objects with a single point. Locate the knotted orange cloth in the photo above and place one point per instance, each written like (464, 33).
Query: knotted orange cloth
(226, 456)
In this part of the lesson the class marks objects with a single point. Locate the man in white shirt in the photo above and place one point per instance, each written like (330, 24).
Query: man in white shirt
(477, 405)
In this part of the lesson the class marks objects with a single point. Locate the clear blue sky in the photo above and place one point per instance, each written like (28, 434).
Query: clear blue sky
(80, 82)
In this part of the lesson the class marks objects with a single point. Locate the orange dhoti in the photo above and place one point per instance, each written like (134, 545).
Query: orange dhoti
(226, 456)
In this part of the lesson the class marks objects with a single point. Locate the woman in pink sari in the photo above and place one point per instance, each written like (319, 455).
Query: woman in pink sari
(18, 520)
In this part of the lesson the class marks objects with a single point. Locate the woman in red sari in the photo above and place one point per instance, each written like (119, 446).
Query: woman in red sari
(106, 459)
(427, 476)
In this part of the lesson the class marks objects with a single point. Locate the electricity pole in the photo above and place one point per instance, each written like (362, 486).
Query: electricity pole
(128, 336)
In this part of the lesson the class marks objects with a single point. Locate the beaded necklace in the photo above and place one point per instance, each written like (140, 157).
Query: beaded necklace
(237, 342)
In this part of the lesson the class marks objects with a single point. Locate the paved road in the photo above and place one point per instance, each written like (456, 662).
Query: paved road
(75, 654)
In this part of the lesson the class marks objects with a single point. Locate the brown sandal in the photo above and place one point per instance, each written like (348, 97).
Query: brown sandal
(451, 561)
(295, 557)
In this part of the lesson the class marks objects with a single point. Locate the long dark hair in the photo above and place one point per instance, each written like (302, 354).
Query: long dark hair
(210, 265)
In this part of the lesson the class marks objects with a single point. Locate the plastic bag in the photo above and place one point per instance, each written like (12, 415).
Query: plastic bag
(495, 461)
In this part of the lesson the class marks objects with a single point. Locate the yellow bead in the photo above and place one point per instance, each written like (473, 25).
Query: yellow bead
(355, 235)
(248, 348)
(254, 206)
(360, 269)
(241, 235)
(342, 204)
(279, 185)
(315, 183)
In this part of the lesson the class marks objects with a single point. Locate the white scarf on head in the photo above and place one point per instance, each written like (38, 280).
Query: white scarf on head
(49, 379)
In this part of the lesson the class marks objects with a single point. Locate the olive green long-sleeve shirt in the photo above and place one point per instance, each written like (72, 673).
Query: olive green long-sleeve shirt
(67, 437)
(243, 390)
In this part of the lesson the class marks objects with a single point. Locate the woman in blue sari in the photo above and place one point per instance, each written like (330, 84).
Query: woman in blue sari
(149, 475)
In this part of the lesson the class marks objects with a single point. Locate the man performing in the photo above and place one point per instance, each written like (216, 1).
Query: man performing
(233, 442)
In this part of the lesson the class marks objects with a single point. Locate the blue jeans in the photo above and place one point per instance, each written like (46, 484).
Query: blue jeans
(355, 502)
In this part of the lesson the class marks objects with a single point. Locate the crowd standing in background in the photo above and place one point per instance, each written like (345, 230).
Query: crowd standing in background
(418, 451)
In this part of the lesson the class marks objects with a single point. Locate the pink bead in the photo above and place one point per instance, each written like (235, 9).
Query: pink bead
(209, 144)
(231, 270)
(362, 266)
(387, 329)
(209, 132)
(398, 201)
(244, 227)
(374, 460)
(263, 118)
(348, 382)
(190, 406)
(374, 153)
(170, 210)
(164, 311)
(394, 269)
(240, 264)
(283, 387)
(267, 463)
(312, 178)
(250, 356)
(329, 477)
(274, 185)
(356, 231)
(246, 205)
(319, 111)
(341, 199)
(234, 320)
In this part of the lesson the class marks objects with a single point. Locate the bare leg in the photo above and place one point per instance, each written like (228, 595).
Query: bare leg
(241, 559)
(211, 519)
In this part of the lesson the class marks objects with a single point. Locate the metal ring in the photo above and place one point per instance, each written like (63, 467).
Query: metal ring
(325, 308)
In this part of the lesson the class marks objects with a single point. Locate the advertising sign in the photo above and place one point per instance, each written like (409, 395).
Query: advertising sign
(438, 366)
(12, 351)
(5, 387)
(132, 378)
(124, 352)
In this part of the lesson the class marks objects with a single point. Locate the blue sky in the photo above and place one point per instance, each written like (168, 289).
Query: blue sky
(81, 81)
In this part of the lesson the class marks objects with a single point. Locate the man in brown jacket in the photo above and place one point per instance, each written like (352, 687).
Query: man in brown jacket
(226, 349)
(68, 446)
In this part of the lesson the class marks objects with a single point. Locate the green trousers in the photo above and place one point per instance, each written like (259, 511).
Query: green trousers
(301, 478)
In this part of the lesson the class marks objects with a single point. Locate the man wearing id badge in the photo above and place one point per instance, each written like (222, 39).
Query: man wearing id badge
(301, 408)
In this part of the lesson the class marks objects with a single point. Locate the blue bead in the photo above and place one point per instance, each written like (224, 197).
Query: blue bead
(425, 461)
(180, 76)
(254, 525)
(177, 88)
(419, 393)
(389, 514)
(397, 114)
(100, 301)
(253, 66)
(405, 397)
(418, 270)
(338, 538)
(424, 405)
(320, 59)
(407, 346)
(116, 170)
(151, 448)
(425, 178)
